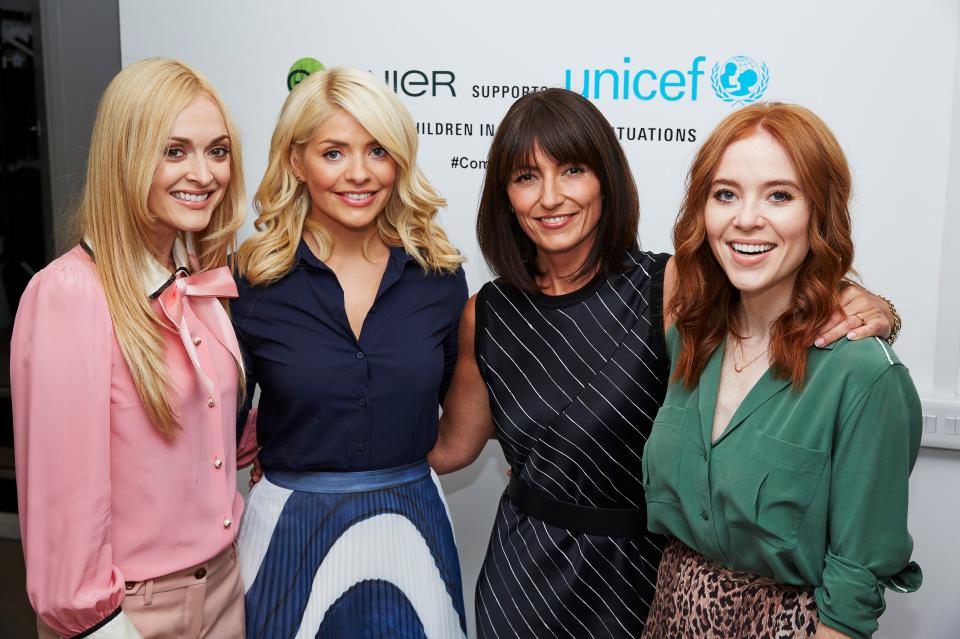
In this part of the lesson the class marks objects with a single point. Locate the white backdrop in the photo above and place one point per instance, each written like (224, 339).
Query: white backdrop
(882, 74)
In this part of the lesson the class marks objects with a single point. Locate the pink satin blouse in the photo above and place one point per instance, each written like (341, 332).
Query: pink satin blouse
(104, 497)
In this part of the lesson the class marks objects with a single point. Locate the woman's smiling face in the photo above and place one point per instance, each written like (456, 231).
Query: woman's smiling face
(557, 205)
(348, 173)
(193, 175)
(757, 218)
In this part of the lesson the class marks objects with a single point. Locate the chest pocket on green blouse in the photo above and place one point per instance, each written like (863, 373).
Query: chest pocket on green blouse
(661, 456)
(769, 491)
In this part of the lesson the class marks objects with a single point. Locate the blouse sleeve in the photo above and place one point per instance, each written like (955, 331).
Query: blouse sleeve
(60, 378)
(458, 301)
(869, 545)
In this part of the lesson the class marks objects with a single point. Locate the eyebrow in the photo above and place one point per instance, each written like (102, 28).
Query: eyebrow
(222, 138)
(342, 143)
(765, 185)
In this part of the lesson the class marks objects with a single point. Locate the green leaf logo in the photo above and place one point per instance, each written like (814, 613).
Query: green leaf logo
(300, 69)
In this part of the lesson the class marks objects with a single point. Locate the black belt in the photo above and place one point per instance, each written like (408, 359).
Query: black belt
(605, 522)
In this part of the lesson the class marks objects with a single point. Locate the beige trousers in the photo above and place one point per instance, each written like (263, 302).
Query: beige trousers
(202, 602)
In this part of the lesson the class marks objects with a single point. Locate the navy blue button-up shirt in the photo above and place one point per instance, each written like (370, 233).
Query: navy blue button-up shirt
(329, 401)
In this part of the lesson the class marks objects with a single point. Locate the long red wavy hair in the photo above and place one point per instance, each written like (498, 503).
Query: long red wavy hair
(705, 302)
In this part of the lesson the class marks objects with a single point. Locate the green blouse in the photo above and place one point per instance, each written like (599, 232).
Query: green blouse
(808, 488)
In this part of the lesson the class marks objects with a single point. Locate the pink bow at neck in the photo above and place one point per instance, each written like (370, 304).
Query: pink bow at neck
(200, 292)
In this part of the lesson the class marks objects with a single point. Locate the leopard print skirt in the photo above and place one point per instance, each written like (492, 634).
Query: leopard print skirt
(698, 599)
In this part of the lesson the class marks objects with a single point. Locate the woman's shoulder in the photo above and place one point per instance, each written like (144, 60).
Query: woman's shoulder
(865, 358)
(454, 285)
(76, 260)
(859, 366)
(455, 278)
(500, 292)
(248, 297)
(69, 287)
(874, 388)
(74, 271)
(646, 263)
(447, 283)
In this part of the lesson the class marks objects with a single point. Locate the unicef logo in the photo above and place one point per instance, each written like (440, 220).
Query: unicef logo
(739, 80)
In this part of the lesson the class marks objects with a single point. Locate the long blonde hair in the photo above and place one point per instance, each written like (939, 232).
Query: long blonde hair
(283, 204)
(134, 119)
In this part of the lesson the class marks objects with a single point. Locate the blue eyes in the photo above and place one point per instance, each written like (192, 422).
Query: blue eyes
(777, 197)
(377, 153)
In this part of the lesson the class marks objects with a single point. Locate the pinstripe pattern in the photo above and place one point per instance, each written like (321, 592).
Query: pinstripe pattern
(574, 384)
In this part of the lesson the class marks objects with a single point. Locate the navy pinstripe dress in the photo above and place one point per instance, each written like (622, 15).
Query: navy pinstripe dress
(575, 382)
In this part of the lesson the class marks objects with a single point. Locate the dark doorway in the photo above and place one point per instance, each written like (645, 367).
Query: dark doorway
(23, 234)
(57, 56)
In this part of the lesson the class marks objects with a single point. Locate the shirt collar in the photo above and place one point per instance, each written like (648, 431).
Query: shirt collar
(156, 277)
(305, 255)
(398, 257)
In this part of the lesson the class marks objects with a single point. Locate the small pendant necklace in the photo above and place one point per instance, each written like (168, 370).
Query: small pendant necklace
(739, 367)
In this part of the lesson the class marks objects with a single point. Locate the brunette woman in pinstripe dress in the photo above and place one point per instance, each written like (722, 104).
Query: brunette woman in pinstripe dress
(563, 359)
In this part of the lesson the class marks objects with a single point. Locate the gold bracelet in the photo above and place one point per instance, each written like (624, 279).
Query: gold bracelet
(897, 322)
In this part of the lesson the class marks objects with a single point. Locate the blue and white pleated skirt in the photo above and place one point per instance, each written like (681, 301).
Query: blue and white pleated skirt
(365, 555)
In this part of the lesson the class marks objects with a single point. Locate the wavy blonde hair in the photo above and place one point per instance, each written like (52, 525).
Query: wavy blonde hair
(283, 204)
(130, 136)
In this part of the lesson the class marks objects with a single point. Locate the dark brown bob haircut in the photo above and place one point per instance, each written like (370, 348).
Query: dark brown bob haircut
(570, 130)
(705, 302)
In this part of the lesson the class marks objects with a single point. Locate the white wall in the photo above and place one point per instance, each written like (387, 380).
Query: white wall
(881, 73)
(933, 612)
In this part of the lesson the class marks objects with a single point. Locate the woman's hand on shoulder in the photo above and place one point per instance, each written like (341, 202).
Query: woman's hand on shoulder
(466, 423)
(862, 314)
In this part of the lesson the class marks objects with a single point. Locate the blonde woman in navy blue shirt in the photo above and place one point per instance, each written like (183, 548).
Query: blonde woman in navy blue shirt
(350, 297)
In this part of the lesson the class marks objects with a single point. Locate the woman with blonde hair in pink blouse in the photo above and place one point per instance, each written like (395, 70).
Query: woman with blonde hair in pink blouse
(125, 373)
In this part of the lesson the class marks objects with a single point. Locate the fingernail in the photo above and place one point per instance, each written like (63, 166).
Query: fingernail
(819, 342)
(851, 335)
